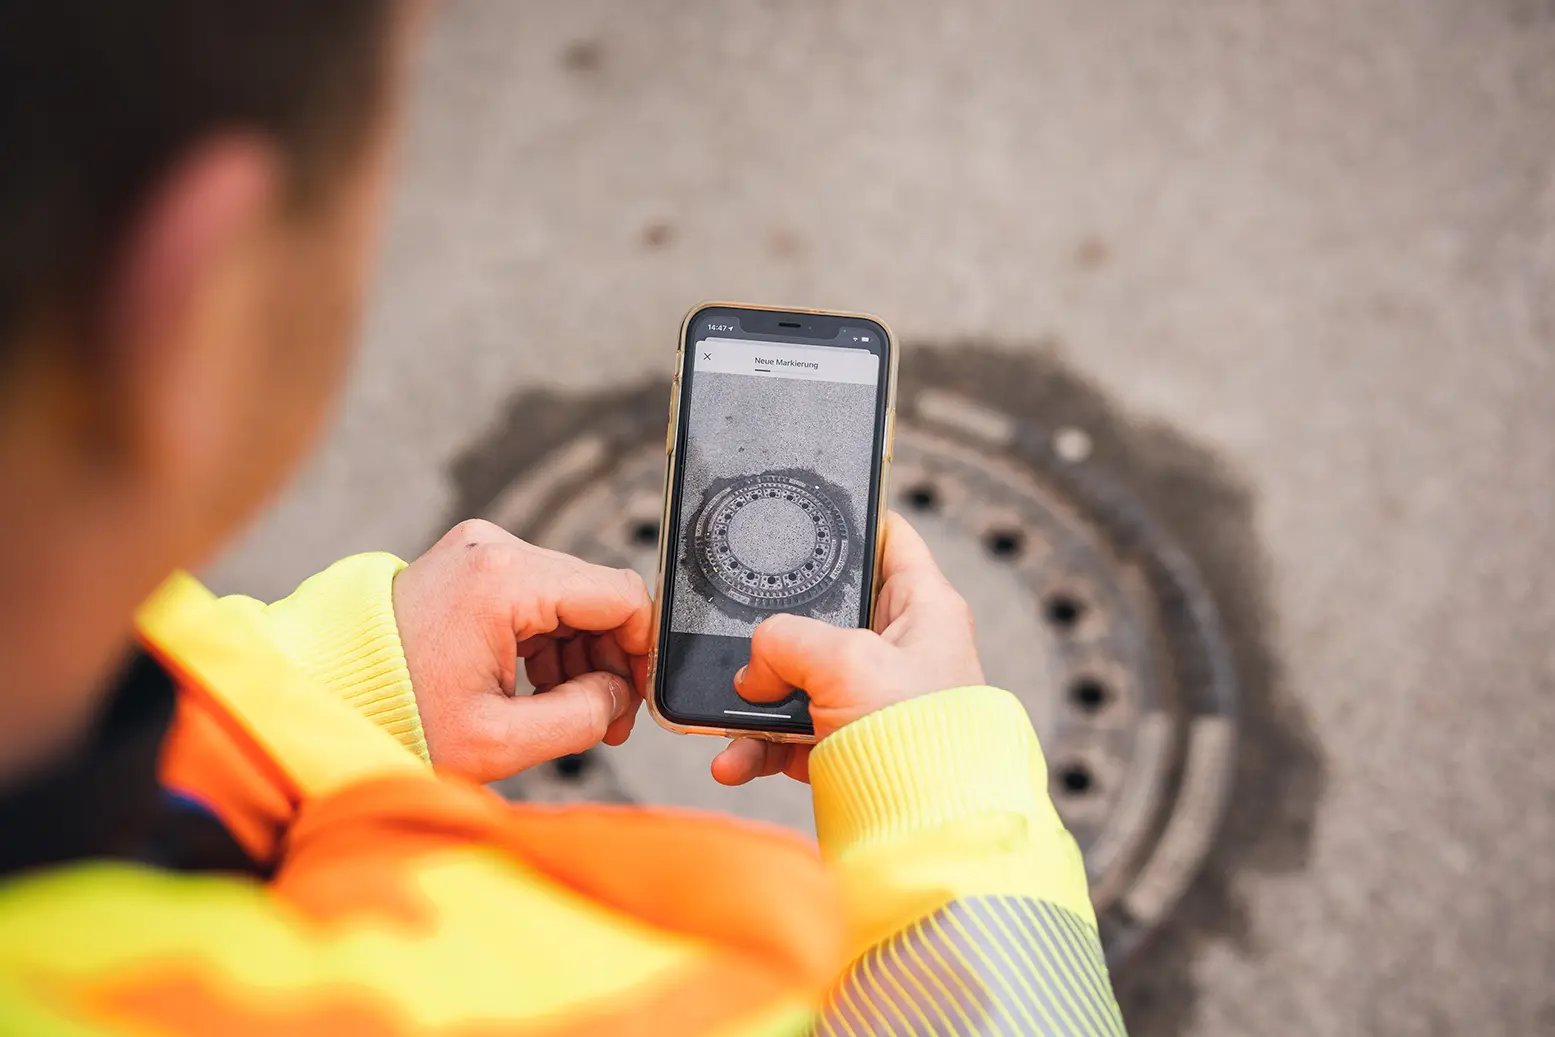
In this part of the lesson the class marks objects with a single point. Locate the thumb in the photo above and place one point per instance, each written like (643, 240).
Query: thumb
(903, 550)
(789, 652)
(568, 718)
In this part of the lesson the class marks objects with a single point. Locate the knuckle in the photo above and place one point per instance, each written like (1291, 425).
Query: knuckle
(636, 587)
(488, 559)
(474, 530)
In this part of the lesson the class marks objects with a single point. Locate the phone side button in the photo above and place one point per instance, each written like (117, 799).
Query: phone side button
(669, 433)
(890, 435)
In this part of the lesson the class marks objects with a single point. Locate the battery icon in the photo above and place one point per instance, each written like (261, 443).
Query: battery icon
(863, 338)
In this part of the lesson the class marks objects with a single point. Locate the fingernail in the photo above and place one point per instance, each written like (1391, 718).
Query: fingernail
(739, 675)
(618, 697)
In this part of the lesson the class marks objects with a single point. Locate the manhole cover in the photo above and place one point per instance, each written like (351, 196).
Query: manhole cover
(1085, 610)
(769, 542)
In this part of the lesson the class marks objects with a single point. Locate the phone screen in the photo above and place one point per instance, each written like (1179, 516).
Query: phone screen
(773, 499)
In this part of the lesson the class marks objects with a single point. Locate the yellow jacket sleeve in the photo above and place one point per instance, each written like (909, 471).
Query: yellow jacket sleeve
(338, 627)
(967, 903)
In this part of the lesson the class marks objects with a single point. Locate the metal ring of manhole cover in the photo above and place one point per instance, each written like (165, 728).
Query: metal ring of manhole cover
(1086, 610)
(770, 542)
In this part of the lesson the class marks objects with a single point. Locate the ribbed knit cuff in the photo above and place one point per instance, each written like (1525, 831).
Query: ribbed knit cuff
(925, 763)
(339, 627)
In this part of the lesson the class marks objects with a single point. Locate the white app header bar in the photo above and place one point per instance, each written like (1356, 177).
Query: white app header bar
(786, 360)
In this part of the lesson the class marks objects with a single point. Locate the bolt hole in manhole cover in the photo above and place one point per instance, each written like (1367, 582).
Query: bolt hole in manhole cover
(1086, 608)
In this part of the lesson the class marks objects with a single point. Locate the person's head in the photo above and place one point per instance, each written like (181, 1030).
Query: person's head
(188, 191)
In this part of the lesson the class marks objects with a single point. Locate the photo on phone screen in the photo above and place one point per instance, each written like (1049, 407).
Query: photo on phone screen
(773, 507)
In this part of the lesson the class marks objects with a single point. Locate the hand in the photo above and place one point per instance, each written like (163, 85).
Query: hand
(481, 599)
(924, 644)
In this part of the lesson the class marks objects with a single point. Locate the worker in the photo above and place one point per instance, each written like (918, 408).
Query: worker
(225, 817)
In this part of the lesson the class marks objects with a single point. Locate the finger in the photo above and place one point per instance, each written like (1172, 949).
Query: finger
(571, 717)
(903, 551)
(798, 765)
(606, 653)
(620, 728)
(544, 667)
(530, 645)
(640, 674)
(557, 590)
(745, 759)
(789, 652)
(575, 657)
(913, 591)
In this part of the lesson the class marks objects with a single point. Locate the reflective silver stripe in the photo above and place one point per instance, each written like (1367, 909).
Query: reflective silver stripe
(980, 966)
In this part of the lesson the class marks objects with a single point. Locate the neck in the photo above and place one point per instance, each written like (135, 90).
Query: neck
(66, 627)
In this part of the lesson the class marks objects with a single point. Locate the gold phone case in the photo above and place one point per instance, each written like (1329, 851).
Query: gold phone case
(670, 440)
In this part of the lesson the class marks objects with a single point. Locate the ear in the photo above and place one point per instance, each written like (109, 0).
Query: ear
(177, 305)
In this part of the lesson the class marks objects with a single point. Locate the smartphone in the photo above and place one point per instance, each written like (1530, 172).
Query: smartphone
(779, 451)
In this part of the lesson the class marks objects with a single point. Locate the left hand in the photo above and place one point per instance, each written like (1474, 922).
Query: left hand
(481, 599)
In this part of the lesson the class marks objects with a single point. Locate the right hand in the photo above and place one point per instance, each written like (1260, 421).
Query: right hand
(922, 643)
(480, 600)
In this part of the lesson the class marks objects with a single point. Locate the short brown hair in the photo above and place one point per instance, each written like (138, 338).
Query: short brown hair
(98, 98)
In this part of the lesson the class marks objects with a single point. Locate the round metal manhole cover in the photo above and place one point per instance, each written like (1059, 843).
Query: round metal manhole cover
(769, 542)
(1085, 609)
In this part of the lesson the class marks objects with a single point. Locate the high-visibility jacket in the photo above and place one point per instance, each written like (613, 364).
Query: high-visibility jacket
(946, 896)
